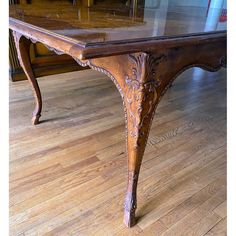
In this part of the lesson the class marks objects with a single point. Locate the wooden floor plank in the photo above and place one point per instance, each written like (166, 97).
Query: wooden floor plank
(68, 174)
(195, 219)
(219, 229)
(221, 210)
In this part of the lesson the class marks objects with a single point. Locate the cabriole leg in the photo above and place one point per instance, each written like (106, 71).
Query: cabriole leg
(140, 98)
(138, 85)
(137, 136)
(23, 50)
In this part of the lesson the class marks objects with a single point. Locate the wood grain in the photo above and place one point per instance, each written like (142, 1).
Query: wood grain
(70, 180)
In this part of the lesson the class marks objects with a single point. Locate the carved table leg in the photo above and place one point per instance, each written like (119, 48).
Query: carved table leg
(138, 86)
(141, 98)
(23, 50)
(138, 130)
(142, 79)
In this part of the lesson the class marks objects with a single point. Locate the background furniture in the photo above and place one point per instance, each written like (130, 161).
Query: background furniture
(44, 62)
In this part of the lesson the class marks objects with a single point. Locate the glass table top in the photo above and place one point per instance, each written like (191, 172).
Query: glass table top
(123, 20)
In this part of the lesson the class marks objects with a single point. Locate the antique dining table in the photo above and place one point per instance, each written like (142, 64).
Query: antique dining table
(142, 48)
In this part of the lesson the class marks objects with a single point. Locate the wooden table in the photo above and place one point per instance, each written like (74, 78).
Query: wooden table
(141, 48)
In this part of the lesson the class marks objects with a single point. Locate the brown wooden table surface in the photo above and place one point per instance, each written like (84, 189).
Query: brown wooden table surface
(142, 48)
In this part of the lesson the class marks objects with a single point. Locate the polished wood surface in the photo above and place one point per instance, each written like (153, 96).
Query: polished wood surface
(67, 175)
(62, 29)
(118, 23)
(142, 68)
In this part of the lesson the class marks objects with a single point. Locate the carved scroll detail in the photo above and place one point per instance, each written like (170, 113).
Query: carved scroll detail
(142, 91)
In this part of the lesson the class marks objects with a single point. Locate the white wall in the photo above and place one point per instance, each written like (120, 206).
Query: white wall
(155, 14)
(152, 3)
(198, 3)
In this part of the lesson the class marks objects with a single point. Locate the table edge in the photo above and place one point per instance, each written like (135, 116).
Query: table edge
(83, 50)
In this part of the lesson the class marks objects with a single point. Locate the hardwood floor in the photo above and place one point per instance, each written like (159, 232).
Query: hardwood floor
(68, 174)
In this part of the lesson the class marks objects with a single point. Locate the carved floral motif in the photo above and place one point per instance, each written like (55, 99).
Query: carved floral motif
(142, 91)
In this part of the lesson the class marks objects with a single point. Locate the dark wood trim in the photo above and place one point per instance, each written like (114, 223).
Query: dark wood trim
(85, 51)
(111, 49)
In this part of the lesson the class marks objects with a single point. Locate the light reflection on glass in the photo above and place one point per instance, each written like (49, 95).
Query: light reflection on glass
(212, 21)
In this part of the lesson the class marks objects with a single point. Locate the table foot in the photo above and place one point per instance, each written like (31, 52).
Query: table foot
(129, 218)
(130, 204)
(35, 119)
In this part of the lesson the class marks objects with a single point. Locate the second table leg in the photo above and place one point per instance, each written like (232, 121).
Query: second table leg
(23, 51)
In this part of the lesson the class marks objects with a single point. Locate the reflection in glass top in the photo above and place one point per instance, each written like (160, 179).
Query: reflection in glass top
(123, 20)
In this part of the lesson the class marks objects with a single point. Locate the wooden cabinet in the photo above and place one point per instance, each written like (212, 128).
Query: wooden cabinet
(44, 62)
